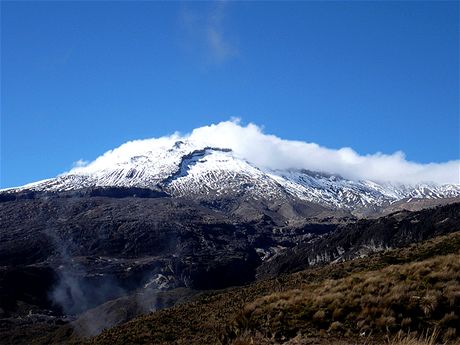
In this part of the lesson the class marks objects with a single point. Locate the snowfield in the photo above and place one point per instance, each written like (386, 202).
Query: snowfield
(191, 169)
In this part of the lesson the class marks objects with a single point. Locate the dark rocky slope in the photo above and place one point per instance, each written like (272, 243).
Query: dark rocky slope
(72, 252)
(364, 237)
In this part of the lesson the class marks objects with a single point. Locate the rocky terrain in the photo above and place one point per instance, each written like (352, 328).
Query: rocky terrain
(231, 316)
(366, 236)
(64, 254)
(83, 258)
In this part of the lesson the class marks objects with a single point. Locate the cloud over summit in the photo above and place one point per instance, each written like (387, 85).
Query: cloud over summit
(271, 152)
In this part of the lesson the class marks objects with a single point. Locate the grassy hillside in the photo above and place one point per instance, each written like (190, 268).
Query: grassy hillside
(363, 301)
(410, 297)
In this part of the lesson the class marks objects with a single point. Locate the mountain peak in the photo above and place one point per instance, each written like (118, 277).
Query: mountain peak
(273, 153)
(183, 167)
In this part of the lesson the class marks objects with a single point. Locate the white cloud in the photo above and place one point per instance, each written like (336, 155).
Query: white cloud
(218, 43)
(207, 33)
(80, 163)
(269, 151)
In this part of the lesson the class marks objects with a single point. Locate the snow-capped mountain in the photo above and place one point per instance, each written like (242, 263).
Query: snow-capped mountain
(189, 169)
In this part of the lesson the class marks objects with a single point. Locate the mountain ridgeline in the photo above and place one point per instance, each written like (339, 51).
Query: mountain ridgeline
(188, 169)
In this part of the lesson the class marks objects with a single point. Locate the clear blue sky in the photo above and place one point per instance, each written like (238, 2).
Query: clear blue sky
(79, 78)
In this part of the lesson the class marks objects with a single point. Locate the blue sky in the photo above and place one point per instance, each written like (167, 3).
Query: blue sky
(80, 78)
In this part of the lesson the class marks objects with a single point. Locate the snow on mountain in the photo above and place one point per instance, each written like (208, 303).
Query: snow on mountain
(191, 169)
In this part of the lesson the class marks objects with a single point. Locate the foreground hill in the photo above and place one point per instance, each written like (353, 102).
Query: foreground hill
(416, 288)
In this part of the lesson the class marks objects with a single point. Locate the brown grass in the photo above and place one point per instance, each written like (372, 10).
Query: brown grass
(410, 297)
(412, 339)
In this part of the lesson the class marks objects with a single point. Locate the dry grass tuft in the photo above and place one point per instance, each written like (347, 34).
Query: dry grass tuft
(411, 297)
(430, 338)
